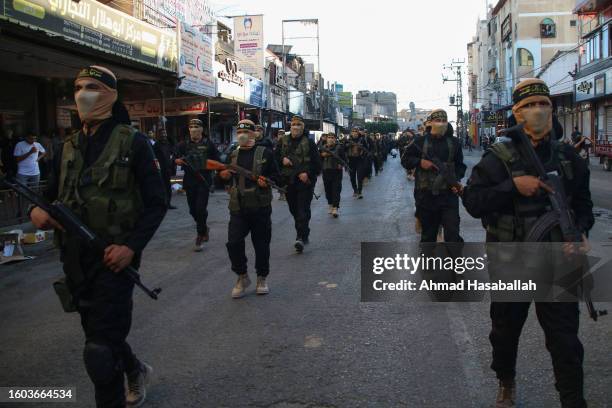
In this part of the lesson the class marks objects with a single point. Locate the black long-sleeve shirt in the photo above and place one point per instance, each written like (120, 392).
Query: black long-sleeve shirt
(147, 175)
(314, 167)
(190, 179)
(438, 148)
(490, 189)
(337, 149)
(164, 152)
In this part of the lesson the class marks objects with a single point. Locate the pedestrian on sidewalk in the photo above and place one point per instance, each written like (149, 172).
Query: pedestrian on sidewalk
(164, 153)
(197, 181)
(106, 162)
(250, 208)
(28, 154)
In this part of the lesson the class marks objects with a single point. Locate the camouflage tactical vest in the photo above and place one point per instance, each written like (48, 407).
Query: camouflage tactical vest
(508, 228)
(105, 196)
(330, 162)
(300, 156)
(249, 198)
(432, 180)
(355, 147)
(196, 154)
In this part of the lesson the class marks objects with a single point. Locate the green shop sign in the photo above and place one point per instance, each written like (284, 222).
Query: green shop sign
(97, 26)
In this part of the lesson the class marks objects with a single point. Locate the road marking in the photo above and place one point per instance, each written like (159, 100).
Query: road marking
(470, 358)
(313, 341)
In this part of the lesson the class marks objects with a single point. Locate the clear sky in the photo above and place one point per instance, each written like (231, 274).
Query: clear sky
(379, 45)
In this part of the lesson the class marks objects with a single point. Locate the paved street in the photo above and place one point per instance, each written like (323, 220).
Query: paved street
(310, 342)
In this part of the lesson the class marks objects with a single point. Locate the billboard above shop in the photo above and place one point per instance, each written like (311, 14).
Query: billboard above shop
(196, 60)
(98, 26)
(249, 44)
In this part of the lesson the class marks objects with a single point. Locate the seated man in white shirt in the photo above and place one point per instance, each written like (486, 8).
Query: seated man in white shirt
(27, 155)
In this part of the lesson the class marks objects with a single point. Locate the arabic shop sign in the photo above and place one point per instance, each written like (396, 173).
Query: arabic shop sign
(584, 87)
(230, 81)
(97, 26)
(173, 107)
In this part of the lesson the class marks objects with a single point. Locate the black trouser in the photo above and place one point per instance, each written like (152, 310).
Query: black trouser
(376, 162)
(259, 223)
(197, 198)
(332, 180)
(106, 317)
(299, 197)
(368, 172)
(168, 185)
(560, 324)
(357, 172)
(438, 210)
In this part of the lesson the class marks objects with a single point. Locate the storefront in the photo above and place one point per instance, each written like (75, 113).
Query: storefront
(593, 95)
(275, 117)
(486, 121)
(45, 45)
(566, 113)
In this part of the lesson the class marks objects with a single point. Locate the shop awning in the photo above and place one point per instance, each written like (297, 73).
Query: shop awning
(57, 58)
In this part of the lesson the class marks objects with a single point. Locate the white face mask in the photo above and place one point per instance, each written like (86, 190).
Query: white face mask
(86, 101)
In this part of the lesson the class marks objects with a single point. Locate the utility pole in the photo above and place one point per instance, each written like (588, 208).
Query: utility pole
(457, 99)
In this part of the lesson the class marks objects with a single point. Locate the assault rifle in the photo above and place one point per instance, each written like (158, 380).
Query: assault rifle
(216, 165)
(297, 171)
(197, 174)
(335, 156)
(74, 226)
(442, 168)
(560, 215)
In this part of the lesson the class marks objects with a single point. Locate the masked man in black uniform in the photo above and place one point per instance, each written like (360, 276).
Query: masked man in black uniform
(504, 191)
(298, 159)
(107, 174)
(356, 149)
(197, 181)
(437, 203)
(250, 208)
(332, 172)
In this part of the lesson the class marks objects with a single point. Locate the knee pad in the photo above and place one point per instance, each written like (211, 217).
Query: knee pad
(100, 362)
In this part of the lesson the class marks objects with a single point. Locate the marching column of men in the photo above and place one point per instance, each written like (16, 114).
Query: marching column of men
(503, 190)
